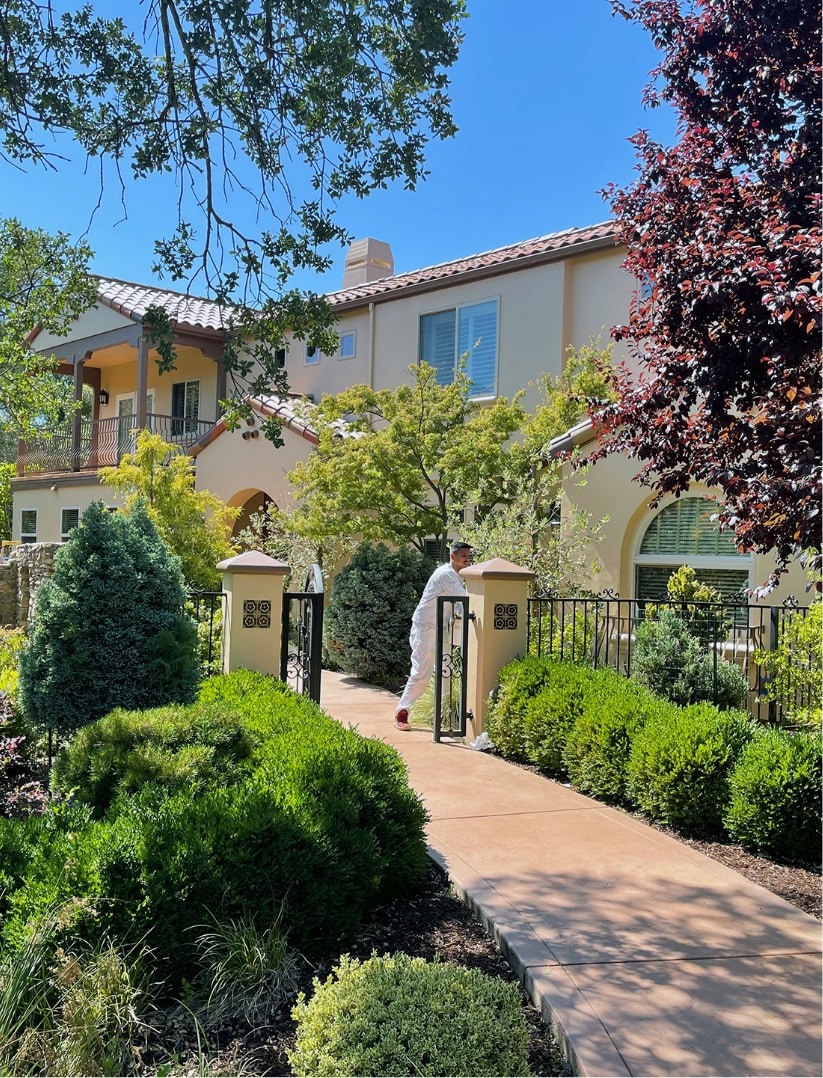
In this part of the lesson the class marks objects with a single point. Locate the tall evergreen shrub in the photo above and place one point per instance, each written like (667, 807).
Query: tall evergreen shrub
(369, 615)
(108, 629)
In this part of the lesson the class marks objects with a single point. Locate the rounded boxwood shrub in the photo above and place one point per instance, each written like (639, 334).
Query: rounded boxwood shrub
(322, 828)
(774, 804)
(396, 1015)
(552, 713)
(173, 747)
(679, 765)
(368, 619)
(108, 629)
(597, 748)
(518, 682)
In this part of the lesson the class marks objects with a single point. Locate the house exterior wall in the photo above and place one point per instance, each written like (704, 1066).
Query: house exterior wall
(543, 309)
(49, 497)
(191, 365)
(609, 491)
(235, 469)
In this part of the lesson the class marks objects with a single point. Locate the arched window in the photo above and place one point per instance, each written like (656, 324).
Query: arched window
(683, 533)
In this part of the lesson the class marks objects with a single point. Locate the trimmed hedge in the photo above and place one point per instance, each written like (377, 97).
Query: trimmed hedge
(396, 1015)
(518, 681)
(597, 749)
(774, 806)
(174, 748)
(696, 768)
(316, 819)
(679, 766)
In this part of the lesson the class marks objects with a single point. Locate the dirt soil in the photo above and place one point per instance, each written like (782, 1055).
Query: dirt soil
(433, 922)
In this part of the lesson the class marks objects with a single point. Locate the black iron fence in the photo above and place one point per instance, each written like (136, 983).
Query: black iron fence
(207, 609)
(301, 639)
(603, 630)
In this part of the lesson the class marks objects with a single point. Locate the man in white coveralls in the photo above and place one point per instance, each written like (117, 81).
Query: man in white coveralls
(443, 581)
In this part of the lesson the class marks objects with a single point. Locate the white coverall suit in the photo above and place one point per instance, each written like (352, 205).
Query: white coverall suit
(443, 581)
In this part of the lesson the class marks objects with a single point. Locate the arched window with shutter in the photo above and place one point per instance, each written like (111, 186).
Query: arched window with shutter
(683, 533)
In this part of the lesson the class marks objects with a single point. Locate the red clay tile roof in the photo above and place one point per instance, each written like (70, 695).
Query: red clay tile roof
(294, 413)
(191, 312)
(186, 312)
(502, 259)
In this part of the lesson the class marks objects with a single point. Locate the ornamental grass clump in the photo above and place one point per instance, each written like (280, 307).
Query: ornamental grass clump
(774, 804)
(397, 1015)
(247, 969)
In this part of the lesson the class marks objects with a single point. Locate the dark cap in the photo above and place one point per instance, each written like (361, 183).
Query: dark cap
(458, 545)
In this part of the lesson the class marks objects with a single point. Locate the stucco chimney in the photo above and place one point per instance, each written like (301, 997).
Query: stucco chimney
(367, 260)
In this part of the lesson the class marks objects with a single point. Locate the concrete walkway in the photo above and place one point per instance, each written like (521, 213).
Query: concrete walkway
(645, 956)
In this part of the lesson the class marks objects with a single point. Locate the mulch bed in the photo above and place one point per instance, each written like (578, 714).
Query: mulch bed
(432, 923)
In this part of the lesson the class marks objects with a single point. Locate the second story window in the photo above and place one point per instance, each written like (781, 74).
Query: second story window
(185, 407)
(469, 330)
(348, 345)
(312, 355)
(28, 526)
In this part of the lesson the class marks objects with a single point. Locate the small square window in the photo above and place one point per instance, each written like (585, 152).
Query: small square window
(69, 519)
(28, 526)
(312, 354)
(348, 345)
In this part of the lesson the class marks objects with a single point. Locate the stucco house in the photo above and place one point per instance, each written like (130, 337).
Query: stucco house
(515, 310)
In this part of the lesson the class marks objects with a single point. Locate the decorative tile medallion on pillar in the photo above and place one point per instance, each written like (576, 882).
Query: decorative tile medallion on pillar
(505, 616)
(256, 614)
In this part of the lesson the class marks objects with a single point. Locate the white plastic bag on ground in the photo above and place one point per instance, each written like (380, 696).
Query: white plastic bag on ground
(482, 742)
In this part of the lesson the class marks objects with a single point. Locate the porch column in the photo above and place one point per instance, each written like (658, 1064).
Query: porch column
(77, 419)
(498, 598)
(253, 583)
(142, 382)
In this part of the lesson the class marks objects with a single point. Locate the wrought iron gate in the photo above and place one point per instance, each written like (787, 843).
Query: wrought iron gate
(302, 636)
(450, 683)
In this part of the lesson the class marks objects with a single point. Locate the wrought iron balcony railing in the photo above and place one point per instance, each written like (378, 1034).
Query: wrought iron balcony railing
(101, 442)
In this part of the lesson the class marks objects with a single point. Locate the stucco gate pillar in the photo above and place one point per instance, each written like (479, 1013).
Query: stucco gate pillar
(253, 583)
(498, 598)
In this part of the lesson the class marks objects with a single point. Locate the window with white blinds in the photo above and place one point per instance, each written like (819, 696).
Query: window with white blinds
(470, 331)
(683, 533)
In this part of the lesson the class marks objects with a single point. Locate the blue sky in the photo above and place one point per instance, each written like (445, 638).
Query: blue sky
(545, 94)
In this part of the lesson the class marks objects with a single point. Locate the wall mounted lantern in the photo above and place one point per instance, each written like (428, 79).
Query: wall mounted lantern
(103, 396)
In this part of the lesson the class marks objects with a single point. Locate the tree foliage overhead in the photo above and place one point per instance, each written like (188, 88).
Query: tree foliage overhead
(265, 112)
(279, 105)
(409, 459)
(723, 231)
(43, 282)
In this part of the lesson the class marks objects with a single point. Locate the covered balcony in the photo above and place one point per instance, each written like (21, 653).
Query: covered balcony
(84, 445)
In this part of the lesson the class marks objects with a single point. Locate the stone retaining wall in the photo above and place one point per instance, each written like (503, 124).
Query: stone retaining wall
(28, 566)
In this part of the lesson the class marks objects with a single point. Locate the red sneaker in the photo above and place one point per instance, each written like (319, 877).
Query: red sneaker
(401, 719)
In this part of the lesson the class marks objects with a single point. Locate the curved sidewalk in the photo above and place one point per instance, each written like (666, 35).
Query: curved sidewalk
(645, 956)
